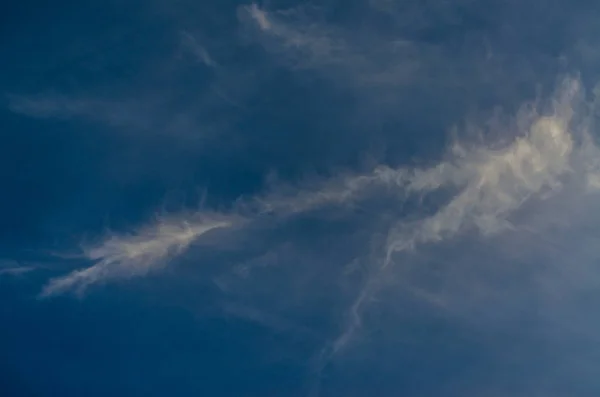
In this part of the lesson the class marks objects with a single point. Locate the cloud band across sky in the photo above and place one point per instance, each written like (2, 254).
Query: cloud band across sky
(484, 186)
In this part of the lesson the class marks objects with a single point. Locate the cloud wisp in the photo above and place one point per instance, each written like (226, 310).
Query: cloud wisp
(492, 182)
(192, 44)
(487, 187)
(14, 268)
(152, 104)
(137, 254)
(296, 39)
(130, 114)
(260, 16)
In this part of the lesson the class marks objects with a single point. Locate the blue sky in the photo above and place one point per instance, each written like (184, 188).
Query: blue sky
(297, 198)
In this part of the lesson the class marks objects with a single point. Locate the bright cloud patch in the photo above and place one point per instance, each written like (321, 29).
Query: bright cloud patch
(496, 184)
(126, 256)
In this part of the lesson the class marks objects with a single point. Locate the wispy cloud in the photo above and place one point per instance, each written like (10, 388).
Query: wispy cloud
(14, 268)
(259, 16)
(192, 44)
(266, 319)
(304, 43)
(153, 106)
(150, 115)
(485, 190)
(137, 254)
(492, 182)
(487, 187)
(496, 184)
(114, 113)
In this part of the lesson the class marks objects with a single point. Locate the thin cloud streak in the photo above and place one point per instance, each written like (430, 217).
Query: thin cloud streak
(193, 45)
(260, 17)
(301, 43)
(135, 255)
(114, 113)
(16, 271)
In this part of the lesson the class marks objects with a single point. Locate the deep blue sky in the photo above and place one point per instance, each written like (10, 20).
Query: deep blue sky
(118, 117)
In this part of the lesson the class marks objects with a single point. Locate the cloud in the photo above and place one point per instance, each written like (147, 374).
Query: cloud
(480, 187)
(496, 184)
(304, 42)
(486, 187)
(487, 184)
(152, 103)
(130, 114)
(484, 190)
(13, 268)
(193, 45)
(491, 182)
(266, 319)
(152, 114)
(260, 17)
(394, 58)
(15, 271)
(137, 254)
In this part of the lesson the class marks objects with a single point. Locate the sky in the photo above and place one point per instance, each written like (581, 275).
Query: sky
(300, 198)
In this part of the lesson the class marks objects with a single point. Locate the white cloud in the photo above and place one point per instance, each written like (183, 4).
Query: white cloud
(496, 183)
(491, 182)
(338, 190)
(133, 255)
(486, 186)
